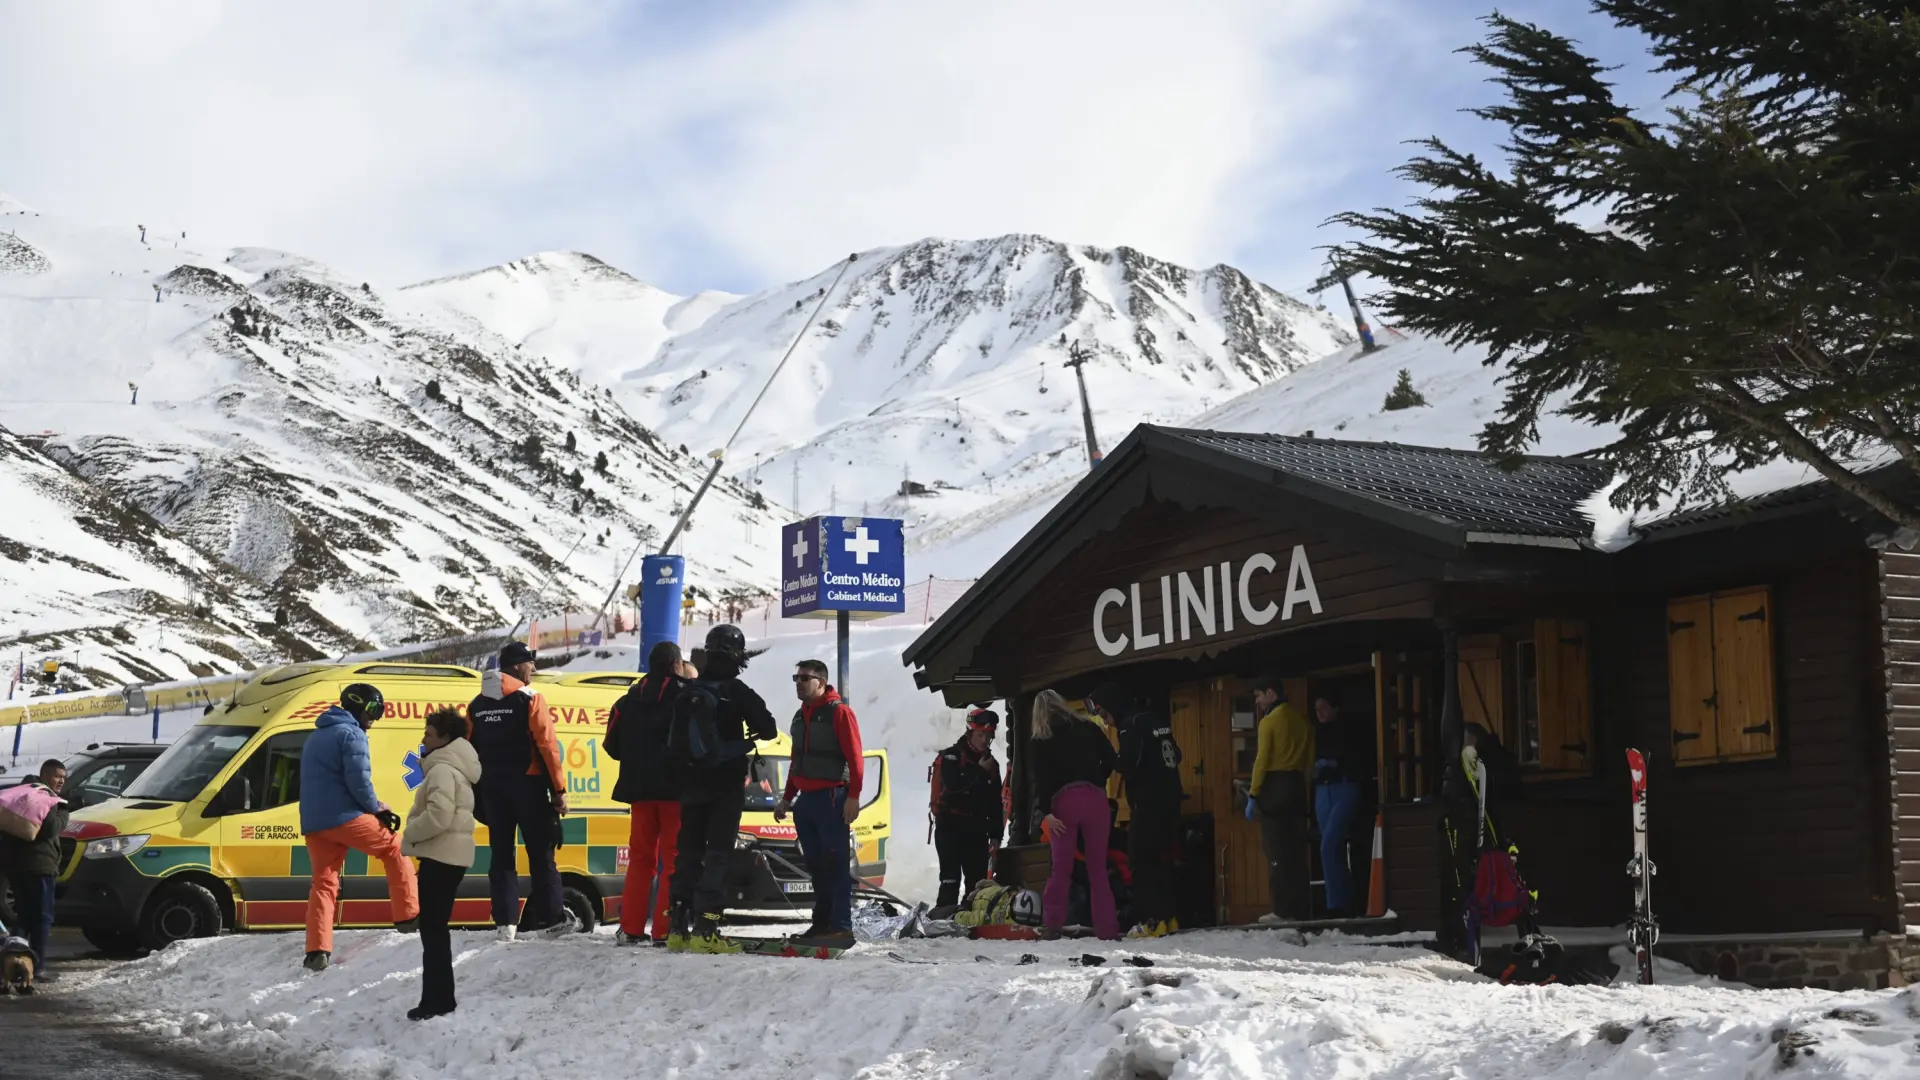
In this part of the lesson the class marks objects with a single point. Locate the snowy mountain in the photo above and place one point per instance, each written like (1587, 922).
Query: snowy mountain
(359, 467)
(378, 472)
(935, 368)
(576, 311)
(940, 364)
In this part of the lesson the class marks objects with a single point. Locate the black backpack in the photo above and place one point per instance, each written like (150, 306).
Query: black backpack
(694, 736)
(640, 743)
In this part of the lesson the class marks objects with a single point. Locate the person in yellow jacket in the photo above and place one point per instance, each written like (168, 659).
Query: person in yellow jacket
(439, 832)
(1279, 792)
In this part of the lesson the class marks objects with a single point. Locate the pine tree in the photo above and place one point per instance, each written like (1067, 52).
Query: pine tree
(600, 463)
(572, 443)
(433, 389)
(574, 479)
(1736, 281)
(532, 449)
(1403, 395)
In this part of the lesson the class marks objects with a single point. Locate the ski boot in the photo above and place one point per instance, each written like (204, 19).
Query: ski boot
(566, 924)
(317, 960)
(707, 939)
(678, 933)
(827, 938)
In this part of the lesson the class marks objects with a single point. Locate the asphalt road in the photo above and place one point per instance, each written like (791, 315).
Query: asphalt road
(57, 1035)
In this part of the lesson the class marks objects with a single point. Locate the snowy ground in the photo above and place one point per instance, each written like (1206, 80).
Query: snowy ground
(1215, 1004)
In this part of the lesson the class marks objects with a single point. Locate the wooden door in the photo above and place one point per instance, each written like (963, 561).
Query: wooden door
(1236, 732)
(1217, 753)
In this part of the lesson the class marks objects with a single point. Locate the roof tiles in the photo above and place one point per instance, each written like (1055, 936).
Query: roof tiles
(1465, 488)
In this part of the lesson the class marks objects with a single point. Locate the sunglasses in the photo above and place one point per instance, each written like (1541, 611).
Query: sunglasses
(806, 678)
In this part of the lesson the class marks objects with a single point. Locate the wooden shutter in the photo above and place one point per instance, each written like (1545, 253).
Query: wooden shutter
(1566, 704)
(1743, 674)
(1482, 684)
(1691, 709)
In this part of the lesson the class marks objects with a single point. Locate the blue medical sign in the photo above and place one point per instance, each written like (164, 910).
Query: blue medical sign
(852, 564)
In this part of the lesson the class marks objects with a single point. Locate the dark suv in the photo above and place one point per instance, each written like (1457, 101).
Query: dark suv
(96, 774)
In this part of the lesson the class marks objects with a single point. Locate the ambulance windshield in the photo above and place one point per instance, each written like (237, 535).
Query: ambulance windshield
(191, 763)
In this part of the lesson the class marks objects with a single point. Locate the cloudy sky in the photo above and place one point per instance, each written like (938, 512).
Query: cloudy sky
(739, 143)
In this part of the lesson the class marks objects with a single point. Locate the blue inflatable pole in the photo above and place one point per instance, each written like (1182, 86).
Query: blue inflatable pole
(156, 723)
(662, 580)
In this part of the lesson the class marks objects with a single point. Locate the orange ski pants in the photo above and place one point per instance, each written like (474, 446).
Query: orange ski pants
(327, 850)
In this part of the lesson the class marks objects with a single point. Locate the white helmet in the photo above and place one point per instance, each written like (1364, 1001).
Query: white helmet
(1026, 908)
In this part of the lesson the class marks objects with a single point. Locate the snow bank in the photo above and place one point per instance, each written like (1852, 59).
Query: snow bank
(1216, 1004)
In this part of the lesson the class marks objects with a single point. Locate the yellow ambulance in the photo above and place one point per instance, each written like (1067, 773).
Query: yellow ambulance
(208, 838)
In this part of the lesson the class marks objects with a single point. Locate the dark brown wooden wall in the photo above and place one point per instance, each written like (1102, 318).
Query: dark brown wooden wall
(1900, 599)
(1801, 842)
(1787, 844)
(1410, 836)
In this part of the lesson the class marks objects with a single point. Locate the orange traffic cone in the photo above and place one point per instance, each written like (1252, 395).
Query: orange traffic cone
(1377, 883)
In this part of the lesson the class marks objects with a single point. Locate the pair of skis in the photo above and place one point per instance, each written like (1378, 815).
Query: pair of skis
(1642, 930)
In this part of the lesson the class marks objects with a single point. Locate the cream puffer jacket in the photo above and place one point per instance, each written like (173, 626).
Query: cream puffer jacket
(440, 825)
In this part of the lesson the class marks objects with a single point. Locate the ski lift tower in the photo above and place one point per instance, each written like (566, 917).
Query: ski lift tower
(1077, 357)
(1338, 273)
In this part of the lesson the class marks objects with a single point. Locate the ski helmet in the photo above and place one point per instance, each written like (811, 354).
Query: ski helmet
(727, 638)
(515, 653)
(1026, 908)
(364, 702)
(983, 718)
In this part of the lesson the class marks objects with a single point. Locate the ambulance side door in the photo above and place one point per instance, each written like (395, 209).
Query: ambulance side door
(259, 834)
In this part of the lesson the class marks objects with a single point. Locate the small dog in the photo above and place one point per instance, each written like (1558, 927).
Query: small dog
(16, 970)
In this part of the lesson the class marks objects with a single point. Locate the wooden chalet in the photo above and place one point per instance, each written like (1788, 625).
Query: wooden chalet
(1765, 656)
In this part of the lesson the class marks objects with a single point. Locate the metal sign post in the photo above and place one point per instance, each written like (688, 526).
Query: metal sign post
(847, 567)
(843, 637)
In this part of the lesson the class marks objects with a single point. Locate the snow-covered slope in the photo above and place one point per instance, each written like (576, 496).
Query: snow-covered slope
(1337, 396)
(1343, 396)
(111, 592)
(570, 308)
(367, 466)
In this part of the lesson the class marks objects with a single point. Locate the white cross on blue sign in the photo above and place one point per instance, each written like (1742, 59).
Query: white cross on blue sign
(834, 564)
(862, 546)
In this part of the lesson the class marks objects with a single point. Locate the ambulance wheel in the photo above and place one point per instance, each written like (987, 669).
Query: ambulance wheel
(112, 940)
(178, 910)
(582, 906)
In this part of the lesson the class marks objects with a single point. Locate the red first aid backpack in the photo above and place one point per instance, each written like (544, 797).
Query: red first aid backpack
(1498, 891)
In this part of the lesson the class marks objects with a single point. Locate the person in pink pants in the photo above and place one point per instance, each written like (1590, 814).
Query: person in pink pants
(1072, 759)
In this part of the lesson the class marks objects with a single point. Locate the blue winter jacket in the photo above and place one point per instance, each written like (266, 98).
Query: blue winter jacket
(336, 773)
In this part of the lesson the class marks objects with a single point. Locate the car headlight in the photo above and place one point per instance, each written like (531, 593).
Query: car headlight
(744, 840)
(115, 847)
